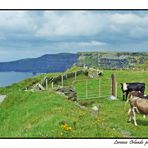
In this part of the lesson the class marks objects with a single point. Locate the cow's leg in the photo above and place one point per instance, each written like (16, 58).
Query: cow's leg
(134, 116)
(123, 96)
(142, 90)
(136, 109)
(129, 115)
(127, 94)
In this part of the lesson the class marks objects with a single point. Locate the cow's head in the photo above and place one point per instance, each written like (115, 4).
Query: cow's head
(123, 87)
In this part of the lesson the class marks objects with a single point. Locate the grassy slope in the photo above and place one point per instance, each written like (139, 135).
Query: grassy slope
(27, 114)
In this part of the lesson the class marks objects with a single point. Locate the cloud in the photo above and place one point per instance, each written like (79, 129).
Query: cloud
(43, 32)
(59, 24)
(104, 25)
(71, 46)
(16, 22)
(73, 23)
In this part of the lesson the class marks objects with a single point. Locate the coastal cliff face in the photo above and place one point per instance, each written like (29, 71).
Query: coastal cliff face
(113, 60)
(62, 61)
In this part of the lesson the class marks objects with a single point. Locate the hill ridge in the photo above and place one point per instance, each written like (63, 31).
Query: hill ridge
(43, 64)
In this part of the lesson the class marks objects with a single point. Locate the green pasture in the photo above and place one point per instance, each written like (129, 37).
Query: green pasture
(41, 114)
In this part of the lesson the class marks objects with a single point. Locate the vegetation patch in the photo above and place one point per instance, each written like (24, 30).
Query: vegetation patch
(47, 114)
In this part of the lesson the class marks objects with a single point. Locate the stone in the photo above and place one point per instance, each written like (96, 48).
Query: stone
(38, 87)
(94, 73)
(79, 105)
(72, 96)
(112, 98)
(2, 98)
(68, 92)
(95, 111)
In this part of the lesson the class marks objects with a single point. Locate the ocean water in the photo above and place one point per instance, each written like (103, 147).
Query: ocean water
(8, 78)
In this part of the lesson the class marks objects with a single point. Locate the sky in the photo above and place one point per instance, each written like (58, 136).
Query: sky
(28, 34)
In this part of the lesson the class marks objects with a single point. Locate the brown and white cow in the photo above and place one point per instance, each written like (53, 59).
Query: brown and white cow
(137, 105)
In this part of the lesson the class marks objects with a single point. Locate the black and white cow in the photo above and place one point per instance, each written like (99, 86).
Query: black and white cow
(129, 87)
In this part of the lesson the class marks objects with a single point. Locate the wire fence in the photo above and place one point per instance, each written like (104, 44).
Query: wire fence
(88, 88)
(85, 87)
(92, 88)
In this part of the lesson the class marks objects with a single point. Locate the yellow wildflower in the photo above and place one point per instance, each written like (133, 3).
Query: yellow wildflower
(66, 127)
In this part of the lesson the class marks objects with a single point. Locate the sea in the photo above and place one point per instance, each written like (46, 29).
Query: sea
(8, 78)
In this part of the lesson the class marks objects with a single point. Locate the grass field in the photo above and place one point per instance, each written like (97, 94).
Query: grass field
(42, 114)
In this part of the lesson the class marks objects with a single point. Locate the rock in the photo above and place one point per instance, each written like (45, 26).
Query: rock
(79, 105)
(2, 97)
(112, 98)
(38, 87)
(94, 73)
(95, 111)
(68, 92)
(72, 96)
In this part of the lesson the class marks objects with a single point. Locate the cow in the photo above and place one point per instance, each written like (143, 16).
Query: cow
(139, 94)
(129, 87)
(137, 104)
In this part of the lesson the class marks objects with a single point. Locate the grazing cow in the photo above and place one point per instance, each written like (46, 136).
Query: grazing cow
(139, 94)
(137, 104)
(129, 87)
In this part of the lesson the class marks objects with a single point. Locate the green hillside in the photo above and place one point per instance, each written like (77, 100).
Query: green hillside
(50, 115)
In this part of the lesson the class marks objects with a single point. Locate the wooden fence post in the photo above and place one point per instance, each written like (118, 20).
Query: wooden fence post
(46, 84)
(113, 85)
(86, 89)
(52, 84)
(62, 79)
(75, 75)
